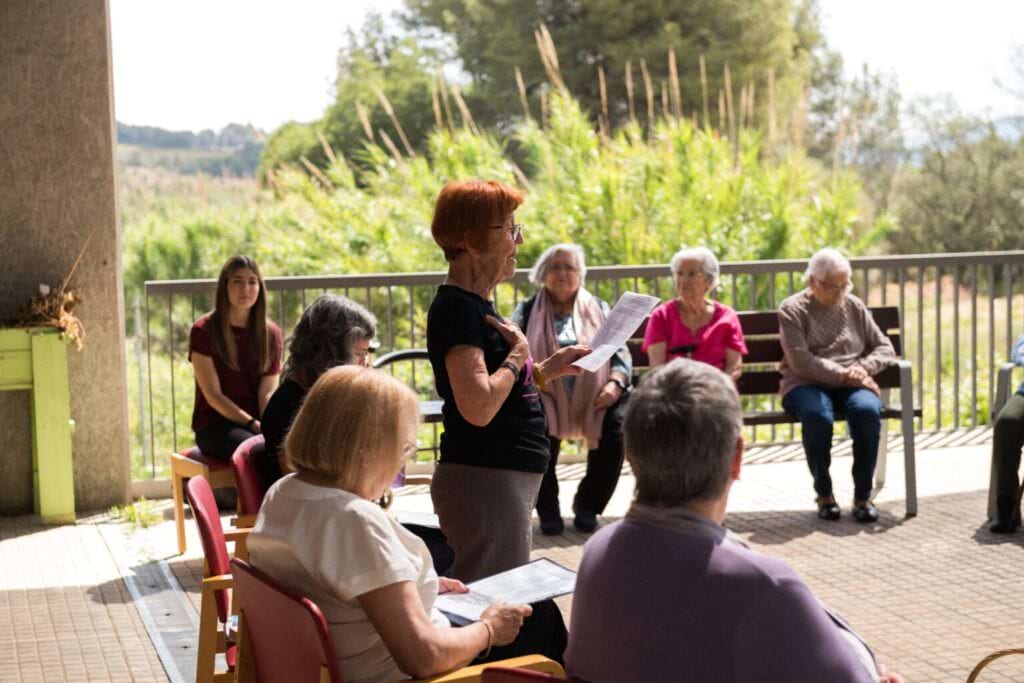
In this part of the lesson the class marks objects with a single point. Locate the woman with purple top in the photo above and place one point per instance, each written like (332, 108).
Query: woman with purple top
(692, 325)
(833, 348)
(668, 594)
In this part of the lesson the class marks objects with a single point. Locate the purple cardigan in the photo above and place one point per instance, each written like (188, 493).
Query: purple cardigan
(670, 596)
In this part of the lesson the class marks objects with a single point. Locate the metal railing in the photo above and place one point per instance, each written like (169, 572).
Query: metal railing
(957, 325)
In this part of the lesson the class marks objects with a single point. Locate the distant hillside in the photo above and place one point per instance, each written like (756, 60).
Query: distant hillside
(234, 151)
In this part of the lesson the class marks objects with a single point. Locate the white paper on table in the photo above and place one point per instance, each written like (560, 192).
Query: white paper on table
(539, 580)
(424, 519)
(618, 328)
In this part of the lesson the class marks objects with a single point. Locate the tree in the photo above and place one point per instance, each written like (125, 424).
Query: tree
(963, 192)
(754, 37)
(374, 60)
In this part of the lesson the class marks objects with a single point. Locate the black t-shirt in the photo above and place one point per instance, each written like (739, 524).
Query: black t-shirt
(279, 414)
(515, 439)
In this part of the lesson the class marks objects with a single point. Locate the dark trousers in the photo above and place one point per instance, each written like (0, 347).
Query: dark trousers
(815, 407)
(1007, 441)
(220, 439)
(543, 633)
(604, 464)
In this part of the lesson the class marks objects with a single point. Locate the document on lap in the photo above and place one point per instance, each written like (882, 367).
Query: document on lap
(424, 519)
(618, 328)
(539, 580)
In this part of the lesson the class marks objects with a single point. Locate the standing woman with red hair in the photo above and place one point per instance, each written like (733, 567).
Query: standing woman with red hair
(494, 449)
(236, 355)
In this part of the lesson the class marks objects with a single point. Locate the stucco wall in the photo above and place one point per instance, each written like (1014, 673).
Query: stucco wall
(57, 185)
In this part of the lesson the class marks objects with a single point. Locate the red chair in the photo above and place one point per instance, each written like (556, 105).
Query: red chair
(215, 603)
(192, 463)
(284, 637)
(250, 478)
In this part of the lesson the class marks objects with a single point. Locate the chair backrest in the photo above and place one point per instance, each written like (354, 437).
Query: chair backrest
(211, 533)
(288, 634)
(250, 478)
(503, 674)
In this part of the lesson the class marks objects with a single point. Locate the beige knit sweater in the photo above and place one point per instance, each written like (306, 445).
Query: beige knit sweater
(819, 342)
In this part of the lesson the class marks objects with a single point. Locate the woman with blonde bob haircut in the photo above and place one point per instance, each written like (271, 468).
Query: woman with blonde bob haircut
(321, 535)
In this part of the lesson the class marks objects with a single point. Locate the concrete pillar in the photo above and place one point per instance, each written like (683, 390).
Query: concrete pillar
(57, 185)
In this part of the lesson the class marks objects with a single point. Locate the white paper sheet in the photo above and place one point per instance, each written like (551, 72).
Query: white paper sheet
(539, 580)
(618, 328)
(424, 519)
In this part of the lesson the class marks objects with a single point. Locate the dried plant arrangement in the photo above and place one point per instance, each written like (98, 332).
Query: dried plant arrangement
(56, 307)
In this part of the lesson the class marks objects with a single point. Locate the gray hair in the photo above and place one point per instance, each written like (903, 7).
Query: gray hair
(324, 335)
(708, 262)
(681, 426)
(825, 262)
(540, 268)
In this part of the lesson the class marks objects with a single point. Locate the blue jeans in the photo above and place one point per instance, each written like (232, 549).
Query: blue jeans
(815, 407)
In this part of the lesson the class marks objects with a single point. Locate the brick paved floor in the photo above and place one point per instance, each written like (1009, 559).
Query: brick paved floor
(932, 594)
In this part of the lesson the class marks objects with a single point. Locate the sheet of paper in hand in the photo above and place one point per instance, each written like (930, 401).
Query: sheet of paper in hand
(539, 580)
(619, 326)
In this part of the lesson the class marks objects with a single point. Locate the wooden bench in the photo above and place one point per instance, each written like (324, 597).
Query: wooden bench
(761, 377)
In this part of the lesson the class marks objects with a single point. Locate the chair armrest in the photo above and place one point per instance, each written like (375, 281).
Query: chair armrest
(418, 479)
(471, 674)
(237, 535)
(243, 521)
(216, 583)
(1002, 388)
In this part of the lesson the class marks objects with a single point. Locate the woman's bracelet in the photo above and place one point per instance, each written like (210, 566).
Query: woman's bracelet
(509, 365)
(250, 423)
(490, 639)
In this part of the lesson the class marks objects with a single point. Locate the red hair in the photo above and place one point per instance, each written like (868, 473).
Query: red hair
(466, 209)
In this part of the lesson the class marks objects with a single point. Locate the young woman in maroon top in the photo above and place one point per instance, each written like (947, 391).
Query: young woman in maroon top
(236, 354)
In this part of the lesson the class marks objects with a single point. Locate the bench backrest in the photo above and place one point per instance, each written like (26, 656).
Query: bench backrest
(761, 333)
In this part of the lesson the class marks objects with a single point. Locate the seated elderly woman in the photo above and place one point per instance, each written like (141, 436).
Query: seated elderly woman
(563, 313)
(333, 331)
(321, 535)
(692, 325)
(668, 594)
(833, 348)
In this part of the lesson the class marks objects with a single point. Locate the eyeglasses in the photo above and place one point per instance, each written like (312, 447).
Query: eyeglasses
(834, 289)
(516, 230)
(566, 268)
(690, 274)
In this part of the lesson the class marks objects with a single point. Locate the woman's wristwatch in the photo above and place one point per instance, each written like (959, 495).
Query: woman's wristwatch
(622, 385)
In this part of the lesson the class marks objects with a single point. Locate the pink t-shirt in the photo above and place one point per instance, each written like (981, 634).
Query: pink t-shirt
(720, 333)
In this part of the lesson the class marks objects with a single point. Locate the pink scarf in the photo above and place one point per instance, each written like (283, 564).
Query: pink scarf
(569, 418)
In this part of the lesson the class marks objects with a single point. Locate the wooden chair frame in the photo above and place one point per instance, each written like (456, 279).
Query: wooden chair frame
(183, 467)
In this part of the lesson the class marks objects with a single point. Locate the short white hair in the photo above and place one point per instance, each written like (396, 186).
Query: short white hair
(825, 262)
(708, 262)
(540, 268)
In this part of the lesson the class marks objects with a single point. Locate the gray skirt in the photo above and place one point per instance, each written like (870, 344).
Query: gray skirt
(487, 515)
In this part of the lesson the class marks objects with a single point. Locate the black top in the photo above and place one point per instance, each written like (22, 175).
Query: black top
(515, 439)
(279, 414)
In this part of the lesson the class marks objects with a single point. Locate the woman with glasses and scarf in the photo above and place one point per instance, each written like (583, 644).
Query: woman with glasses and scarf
(563, 313)
(693, 325)
(833, 348)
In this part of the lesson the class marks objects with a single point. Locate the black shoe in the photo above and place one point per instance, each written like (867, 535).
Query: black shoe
(585, 522)
(828, 508)
(552, 527)
(865, 512)
(1002, 526)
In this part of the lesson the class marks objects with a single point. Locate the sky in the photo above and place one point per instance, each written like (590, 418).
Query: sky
(933, 47)
(194, 64)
